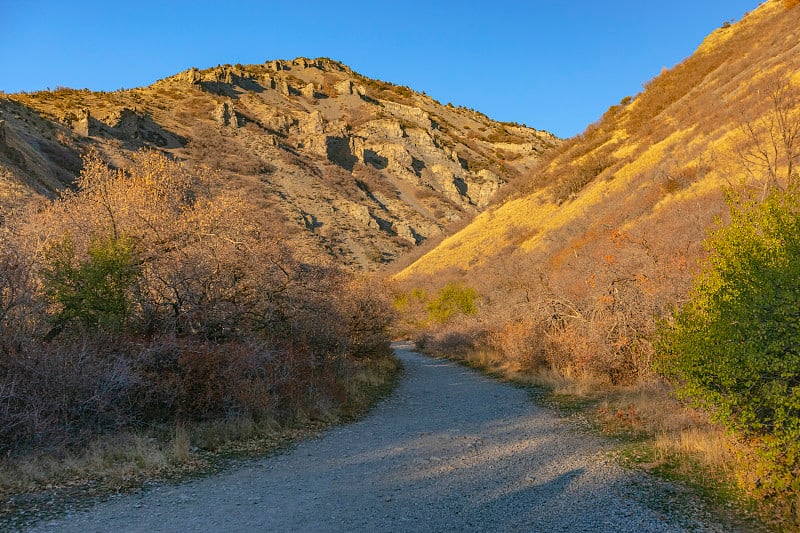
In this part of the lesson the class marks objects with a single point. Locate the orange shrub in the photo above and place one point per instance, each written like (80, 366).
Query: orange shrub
(521, 343)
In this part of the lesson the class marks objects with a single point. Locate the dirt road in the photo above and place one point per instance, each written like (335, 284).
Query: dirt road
(450, 450)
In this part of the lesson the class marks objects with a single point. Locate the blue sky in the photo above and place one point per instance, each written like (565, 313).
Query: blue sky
(554, 65)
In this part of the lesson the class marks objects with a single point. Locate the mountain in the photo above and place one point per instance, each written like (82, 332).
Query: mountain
(614, 218)
(359, 170)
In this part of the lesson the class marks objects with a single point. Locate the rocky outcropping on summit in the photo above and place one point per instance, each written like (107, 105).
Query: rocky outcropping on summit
(359, 169)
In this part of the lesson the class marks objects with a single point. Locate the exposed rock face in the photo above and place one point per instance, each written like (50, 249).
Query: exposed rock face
(412, 114)
(129, 125)
(313, 123)
(81, 124)
(191, 76)
(344, 87)
(360, 169)
(480, 193)
(309, 91)
(359, 213)
(283, 87)
(225, 115)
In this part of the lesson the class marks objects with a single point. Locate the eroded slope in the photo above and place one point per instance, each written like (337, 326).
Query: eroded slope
(360, 170)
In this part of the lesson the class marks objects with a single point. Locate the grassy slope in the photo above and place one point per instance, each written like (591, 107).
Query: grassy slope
(661, 162)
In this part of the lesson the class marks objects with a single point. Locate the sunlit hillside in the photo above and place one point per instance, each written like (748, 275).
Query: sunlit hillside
(628, 202)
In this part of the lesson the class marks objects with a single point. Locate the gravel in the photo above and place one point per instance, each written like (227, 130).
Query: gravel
(450, 450)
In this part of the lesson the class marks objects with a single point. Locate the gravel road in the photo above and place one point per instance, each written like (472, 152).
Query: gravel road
(450, 450)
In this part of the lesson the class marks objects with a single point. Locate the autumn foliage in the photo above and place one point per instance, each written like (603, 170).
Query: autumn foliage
(145, 296)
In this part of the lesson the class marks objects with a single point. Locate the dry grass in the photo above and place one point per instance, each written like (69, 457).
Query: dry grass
(656, 432)
(686, 114)
(112, 459)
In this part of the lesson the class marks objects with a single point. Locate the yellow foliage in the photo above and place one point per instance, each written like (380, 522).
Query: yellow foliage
(626, 150)
(653, 155)
(715, 39)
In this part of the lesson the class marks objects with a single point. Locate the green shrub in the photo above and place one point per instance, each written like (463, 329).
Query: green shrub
(735, 346)
(406, 299)
(451, 300)
(93, 292)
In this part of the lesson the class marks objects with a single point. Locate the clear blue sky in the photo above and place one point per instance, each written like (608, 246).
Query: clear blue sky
(553, 64)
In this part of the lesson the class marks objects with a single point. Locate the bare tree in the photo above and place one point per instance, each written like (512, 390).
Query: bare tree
(773, 139)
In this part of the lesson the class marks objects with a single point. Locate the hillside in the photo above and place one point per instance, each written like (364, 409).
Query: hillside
(572, 280)
(360, 170)
(619, 212)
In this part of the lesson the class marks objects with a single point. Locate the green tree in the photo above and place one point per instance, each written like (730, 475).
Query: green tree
(452, 299)
(735, 346)
(93, 292)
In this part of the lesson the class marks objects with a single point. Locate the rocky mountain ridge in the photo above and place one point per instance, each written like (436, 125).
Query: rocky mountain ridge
(358, 169)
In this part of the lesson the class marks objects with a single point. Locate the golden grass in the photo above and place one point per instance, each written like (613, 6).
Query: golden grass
(626, 150)
(721, 36)
(181, 444)
(710, 445)
(698, 96)
(650, 157)
(113, 459)
(486, 235)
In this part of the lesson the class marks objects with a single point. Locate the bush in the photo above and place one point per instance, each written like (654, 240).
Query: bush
(368, 314)
(95, 292)
(521, 342)
(65, 393)
(735, 346)
(451, 300)
(18, 305)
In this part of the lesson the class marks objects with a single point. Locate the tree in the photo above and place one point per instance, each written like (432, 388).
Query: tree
(94, 292)
(735, 346)
(772, 141)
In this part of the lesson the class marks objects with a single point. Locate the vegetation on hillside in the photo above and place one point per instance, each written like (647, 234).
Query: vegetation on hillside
(358, 170)
(150, 298)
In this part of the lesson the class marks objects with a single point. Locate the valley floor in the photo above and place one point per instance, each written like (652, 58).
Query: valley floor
(450, 450)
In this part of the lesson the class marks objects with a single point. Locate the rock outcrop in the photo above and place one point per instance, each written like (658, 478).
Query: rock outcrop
(81, 122)
(358, 169)
(225, 114)
(343, 87)
(411, 114)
